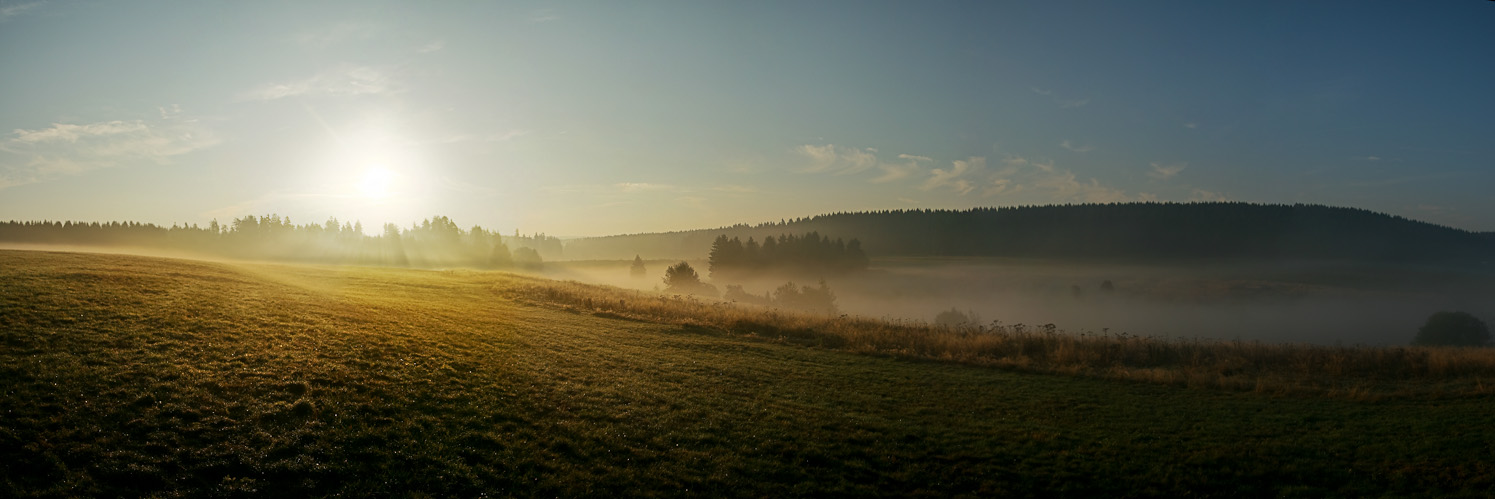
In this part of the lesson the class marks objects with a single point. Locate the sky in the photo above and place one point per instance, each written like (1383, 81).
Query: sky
(596, 118)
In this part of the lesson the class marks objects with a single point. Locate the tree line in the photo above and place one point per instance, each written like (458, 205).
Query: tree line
(785, 254)
(681, 278)
(433, 242)
(1113, 232)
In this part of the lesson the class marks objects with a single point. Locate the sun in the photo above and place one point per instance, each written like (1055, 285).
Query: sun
(376, 182)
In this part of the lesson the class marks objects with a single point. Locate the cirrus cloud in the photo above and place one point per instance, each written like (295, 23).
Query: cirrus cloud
(911, 165)
(340, 81)
(957, 178)
(1164, 172)
(70, 149)
(837, 160)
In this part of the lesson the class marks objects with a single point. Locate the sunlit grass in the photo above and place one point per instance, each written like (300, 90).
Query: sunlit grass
(130, 376)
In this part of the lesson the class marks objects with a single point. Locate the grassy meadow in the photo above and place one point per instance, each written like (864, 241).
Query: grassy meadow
(136, 376)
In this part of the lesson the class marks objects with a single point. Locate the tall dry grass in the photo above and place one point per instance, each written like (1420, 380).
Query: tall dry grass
(1357, 372)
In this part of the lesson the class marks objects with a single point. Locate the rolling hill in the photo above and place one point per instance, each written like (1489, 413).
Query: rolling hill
(139, 376)
(1138, 232)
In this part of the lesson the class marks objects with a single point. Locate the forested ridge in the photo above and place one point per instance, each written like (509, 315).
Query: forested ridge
(1121, 232)
(434, 242)
(1111, 232)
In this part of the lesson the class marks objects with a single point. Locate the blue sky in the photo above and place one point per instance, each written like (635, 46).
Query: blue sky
(582, 118)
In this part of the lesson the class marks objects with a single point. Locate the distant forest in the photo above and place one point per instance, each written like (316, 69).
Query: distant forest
(434, 242)
(787, 254)
(1110, 232)
(1105, 232)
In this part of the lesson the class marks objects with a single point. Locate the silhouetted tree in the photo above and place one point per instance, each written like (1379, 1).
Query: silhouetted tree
(737, 294)
(500, 257)
(1453, 329)
(637, 270)
(808, 254)
(527, 258)
(682, 278)
(818, 299)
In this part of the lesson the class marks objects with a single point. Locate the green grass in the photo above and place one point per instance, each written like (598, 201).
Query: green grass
(139, 376)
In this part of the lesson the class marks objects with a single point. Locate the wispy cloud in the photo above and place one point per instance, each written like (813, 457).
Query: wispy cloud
(1065, 187)
(345, 80)
(65, 132)
(1191, 125)
(10, 11)
(1164, 172)
(838, 160)
(1038, 180)
(1075, 148)
(169, 112)
(956, 178)
(434, 46)
(1203, 195)
(71, 149)
(912, 164)
(1045, 181)
(544, 16)
(642, 186)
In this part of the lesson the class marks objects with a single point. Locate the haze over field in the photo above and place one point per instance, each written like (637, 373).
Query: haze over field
(597, 118)
(747, 249)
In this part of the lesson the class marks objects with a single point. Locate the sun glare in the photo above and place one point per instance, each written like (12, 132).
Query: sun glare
(376, 183)
(371, 174)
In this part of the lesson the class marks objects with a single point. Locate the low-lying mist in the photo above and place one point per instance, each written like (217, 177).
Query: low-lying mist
(1307, 302)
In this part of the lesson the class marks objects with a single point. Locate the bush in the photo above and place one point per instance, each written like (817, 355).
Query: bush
(737, 294)
(819, 300)
(1453, 329)
(681, 278)
(955, 318)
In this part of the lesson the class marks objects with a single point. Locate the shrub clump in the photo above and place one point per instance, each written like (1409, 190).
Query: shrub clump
(954, 318)
(681, 278)
(1453, 329)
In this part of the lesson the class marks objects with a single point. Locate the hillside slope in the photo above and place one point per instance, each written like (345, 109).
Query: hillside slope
(1111, 232)
(139, 376)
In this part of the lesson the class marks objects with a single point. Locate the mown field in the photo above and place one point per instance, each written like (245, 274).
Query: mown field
(129, 376)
